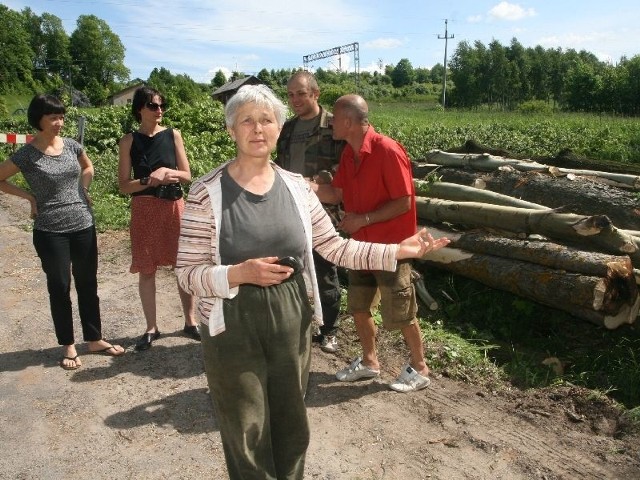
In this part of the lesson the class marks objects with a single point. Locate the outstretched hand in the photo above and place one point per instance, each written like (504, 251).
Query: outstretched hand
(419, 245)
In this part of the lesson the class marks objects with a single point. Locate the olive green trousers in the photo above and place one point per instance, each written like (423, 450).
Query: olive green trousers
(257, 371)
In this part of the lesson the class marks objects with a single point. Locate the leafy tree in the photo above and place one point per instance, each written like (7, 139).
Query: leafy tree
(15, 52)
(468, 69)
(50, 45)
(499, 89)
(403, 74)
(539, 78)
(629, 81)
(55, 43)
(99, 56)
(176, 88)
(265, 76)
(582, 86)
(557, 67)
(436, 75)
(422, 75)
(218, 79)
(519, 73)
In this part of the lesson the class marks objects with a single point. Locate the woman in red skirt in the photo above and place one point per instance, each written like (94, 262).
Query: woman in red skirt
(152, 165)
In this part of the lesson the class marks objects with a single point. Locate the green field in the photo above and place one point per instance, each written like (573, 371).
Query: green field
(597, 137)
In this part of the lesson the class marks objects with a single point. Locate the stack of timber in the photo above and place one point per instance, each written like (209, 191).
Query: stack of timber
(566, 238)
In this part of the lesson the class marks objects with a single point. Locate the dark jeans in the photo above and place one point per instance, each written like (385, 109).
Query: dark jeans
(329, 286)
(62, 254)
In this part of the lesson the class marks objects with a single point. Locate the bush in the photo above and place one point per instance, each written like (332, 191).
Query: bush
(535, 106)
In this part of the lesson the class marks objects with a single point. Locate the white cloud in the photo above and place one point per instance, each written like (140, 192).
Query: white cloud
(575, 41)
(227, 24)
(510, 11)
(213, 70)
(384, 43)
(475, 19)
(373, 67)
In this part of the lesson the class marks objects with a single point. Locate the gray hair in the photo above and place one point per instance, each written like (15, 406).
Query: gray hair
(258, 94)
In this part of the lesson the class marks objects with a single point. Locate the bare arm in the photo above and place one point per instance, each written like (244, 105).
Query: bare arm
(86, 174)
(125, 182)
(183, 173)
(7, 170)
(352, 222)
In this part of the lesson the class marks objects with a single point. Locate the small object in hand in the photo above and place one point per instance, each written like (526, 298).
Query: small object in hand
(324, 177)
(290, 262)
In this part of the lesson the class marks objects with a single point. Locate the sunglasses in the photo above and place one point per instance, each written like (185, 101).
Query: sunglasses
(155, 106)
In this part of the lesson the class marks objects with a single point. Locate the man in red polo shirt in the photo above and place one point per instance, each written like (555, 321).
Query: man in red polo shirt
(375, 184)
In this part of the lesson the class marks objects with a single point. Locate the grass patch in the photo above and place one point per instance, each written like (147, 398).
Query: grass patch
(17, 104)
(535, 346)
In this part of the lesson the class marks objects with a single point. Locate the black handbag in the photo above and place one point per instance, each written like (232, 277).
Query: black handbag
(173, 191)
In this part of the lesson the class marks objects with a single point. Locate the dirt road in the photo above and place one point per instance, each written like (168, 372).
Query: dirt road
(148, 415)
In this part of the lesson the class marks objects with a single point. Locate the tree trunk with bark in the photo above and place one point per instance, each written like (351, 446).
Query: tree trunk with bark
(599, 300)
(580, 196)
(595, 233)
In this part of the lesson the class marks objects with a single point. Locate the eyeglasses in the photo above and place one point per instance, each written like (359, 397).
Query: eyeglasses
(155, 106)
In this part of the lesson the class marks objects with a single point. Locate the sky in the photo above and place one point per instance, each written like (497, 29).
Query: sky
(200, 37)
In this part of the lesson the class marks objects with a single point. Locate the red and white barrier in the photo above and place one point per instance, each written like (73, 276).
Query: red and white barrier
(15, 138)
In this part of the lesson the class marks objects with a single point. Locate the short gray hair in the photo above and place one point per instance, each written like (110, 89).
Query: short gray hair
(258, 94)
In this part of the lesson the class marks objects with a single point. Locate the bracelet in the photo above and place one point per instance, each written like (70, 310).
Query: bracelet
(86, 189)
(366, 217)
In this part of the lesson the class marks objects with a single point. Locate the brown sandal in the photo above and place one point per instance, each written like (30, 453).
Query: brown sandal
(70, 367)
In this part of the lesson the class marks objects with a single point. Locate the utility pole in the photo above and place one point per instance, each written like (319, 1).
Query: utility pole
(444, 81)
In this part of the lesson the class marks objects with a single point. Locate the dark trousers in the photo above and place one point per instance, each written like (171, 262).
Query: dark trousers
(329, 287)
(62, 254)
(257, 370)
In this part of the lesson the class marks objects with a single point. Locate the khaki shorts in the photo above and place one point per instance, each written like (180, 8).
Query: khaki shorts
(393, 290)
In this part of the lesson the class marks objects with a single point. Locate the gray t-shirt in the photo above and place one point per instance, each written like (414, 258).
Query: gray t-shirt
(55, 183)
(254, 226)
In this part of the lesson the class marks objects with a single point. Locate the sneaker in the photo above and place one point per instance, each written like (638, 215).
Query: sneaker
(409, 381)
(355, 371)
(329, 344)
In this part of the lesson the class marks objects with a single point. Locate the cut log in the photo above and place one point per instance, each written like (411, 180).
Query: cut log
(595, 233)
(584, 198)
(592, 298)
(544, 253)
(486, 162)
(463, 193)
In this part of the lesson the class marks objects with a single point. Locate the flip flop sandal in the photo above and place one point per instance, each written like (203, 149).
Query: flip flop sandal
(105, 351)
(70, 367)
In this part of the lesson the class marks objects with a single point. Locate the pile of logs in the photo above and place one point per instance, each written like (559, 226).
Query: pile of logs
(566, 238)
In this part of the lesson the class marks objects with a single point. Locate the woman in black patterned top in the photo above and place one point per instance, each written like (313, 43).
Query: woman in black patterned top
(59, 173)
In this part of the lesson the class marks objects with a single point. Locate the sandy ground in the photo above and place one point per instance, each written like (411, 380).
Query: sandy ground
(148, 415)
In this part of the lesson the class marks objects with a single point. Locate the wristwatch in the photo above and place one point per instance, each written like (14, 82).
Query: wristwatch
(144, 181)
